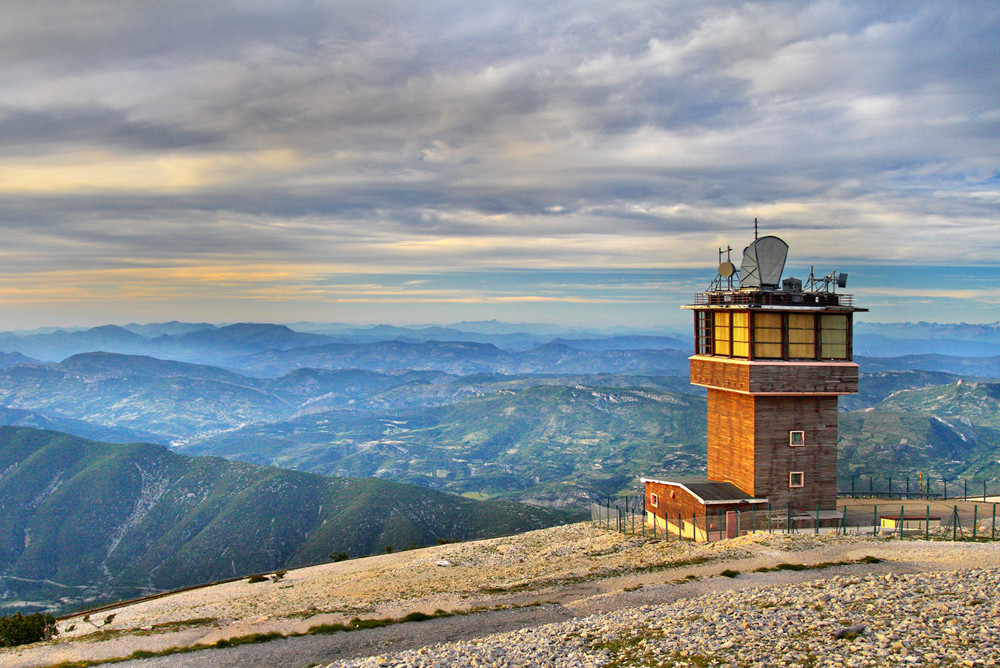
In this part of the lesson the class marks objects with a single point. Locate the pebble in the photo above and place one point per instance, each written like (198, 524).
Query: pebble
(925, 619)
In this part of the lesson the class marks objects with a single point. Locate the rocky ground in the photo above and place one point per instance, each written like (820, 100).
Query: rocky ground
(656, 603)
(945, 618)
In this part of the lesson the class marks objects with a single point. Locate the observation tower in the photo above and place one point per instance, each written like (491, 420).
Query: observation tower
(774, 355)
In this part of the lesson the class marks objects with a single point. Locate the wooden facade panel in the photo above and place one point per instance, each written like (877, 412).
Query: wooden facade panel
(804, 378)
(731, 422)
(775, 377)
(720, 373)
(749, 446)
(668, 506)
(774, 458)
(684, 503)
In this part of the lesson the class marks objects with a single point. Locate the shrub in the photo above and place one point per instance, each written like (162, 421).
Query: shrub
(388, 549)
(23, 629)
(278, 575)
(340, 556)
(729, 573)
(416, 617)
(257, 577)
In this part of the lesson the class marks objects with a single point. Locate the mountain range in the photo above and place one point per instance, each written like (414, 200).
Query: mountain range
(82, 521)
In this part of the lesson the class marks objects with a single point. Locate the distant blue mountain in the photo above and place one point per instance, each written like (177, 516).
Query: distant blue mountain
(172, 328)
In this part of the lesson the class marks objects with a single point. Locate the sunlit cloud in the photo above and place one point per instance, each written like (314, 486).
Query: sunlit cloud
(225, 153)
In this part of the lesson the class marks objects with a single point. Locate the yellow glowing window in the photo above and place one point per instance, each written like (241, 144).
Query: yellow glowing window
(722, 332)
(741, 334)
(796, 479)
(767, 335)
(801, 336)
(833, 337)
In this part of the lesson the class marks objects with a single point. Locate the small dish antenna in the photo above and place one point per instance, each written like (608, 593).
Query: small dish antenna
(834, 279)
(726, 269)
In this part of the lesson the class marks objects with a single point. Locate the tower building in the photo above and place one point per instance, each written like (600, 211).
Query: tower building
(774, 356)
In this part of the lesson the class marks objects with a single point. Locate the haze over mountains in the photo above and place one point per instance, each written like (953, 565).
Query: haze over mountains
(536, 414)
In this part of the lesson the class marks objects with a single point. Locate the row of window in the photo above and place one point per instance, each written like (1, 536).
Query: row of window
(795, 336)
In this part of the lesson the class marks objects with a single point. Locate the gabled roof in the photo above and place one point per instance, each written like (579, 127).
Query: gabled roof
(709, 492)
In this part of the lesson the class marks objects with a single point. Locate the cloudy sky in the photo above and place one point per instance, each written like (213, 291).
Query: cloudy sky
(416, 162)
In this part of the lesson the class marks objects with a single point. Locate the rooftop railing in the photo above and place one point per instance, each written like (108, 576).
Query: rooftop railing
(772, 298)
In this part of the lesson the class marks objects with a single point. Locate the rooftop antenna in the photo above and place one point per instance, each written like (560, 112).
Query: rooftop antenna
(755, 229)
(724, 280)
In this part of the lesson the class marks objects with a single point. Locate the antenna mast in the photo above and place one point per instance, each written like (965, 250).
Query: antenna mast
(755, 229)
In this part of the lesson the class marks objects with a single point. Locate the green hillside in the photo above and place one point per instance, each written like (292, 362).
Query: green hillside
(550, 443)
(876, 386)
(950, 430)
(83, 521)
(970, 402)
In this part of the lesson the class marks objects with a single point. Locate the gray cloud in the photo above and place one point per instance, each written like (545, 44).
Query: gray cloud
(393, 133)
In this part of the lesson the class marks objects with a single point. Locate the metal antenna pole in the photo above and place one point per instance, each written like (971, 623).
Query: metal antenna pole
(755, 229)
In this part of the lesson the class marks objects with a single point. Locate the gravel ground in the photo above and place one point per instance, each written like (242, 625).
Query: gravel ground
(926, 619)
(574, 571)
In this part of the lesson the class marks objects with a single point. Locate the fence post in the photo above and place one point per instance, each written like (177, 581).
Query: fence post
(788, 517)
(907, 487)
(844, 523)
(770, 515)
(901, 522)
(852, 485)
(975, 520)
(890, 487)
(965, 495)
(816, 527)
(945, 488)
(927, 524)
(871, 485)
(984, 491)
(680, 526)
(875, 520)
(954, 524)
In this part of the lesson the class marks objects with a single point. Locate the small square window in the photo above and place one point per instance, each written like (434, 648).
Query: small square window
(796, 439)
(796, 479)
(654, 500)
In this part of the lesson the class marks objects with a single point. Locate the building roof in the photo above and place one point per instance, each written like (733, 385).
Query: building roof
(709, 492)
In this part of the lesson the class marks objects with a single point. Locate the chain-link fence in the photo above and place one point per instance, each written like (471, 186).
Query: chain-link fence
(937, 520)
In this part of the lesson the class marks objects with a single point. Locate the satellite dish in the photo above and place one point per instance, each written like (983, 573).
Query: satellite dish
(727, 269)
(763, 262)
(841, 280)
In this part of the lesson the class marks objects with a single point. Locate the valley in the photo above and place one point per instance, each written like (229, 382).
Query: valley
(295, 464)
